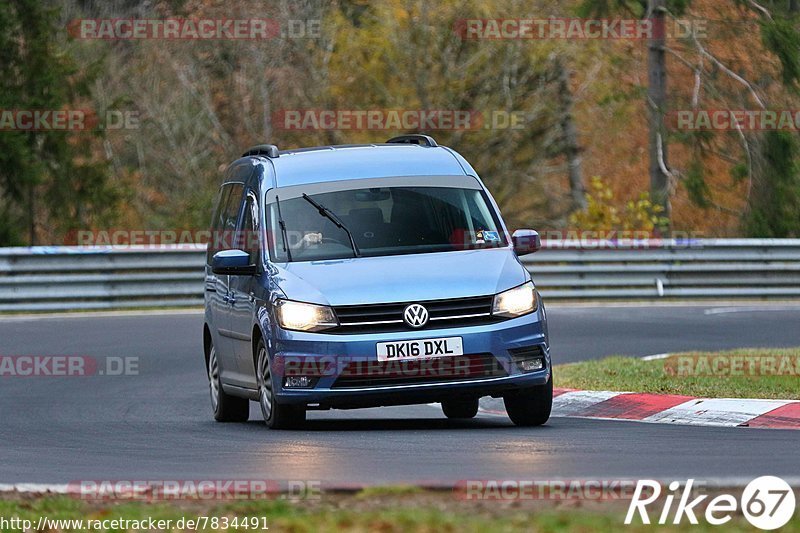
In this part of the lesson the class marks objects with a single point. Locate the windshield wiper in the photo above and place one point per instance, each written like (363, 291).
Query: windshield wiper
(282, 224)
(330, 215)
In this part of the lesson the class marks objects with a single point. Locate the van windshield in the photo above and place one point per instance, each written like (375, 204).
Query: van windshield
(384, 221)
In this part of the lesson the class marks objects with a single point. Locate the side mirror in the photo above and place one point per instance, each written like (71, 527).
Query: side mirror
(526, 241)
(232, 263)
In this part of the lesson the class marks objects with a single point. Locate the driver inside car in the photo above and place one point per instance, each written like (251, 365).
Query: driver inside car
(310, 238)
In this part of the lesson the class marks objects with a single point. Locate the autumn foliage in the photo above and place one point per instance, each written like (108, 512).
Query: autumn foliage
(578, 106)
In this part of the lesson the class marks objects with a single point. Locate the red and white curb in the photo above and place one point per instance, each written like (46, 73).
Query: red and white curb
(669, 409)
(34, 488)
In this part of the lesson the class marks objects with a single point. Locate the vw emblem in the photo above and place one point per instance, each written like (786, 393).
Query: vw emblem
(415, 316)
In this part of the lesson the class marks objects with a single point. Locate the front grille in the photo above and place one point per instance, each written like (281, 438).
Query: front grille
(443, 369)
(386, 318)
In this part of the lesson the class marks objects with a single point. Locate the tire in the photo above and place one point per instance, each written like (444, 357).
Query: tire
(276, 415)
(226, 408)
(530, 407)
(461, 408)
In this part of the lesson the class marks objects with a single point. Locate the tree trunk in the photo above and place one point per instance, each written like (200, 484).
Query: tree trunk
(656, 102)
(572, 148)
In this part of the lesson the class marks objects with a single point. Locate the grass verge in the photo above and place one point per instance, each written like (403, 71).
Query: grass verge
(745, 373)
(385, 511)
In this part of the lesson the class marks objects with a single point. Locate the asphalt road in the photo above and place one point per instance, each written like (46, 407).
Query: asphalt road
(157, 424)
(579, 333)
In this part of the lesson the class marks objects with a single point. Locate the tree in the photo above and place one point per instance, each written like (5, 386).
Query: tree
(571, 145)
(774, 210)
(408, 55)
(775, 207)
(765, 161)
(47, 178)
(657, 107)
(656, 11)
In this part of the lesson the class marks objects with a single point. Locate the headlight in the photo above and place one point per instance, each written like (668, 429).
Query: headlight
(304, 317)
(516, 302)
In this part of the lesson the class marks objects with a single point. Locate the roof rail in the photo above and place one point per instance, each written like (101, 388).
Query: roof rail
(269, 150)
(414, 138)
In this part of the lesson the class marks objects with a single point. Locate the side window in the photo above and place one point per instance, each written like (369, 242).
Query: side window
(218, 206)
(247, 232)
(232, 208)
(216, 222)
(223, 226)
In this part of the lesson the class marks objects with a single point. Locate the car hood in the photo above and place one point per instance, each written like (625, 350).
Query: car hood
(402, 278)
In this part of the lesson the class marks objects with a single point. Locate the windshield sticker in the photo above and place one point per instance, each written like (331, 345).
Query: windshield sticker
(491, 236)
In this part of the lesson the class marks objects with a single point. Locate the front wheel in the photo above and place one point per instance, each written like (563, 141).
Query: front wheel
(226, 408)
(276, 416)
(532, 406)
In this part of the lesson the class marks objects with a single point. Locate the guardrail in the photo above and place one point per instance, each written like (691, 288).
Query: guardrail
(710, 268)
(64, 278)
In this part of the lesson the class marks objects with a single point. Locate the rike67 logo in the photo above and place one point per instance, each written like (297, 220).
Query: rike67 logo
(767, 502)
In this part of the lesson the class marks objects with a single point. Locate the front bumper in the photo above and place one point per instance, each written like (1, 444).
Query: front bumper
(293, 353)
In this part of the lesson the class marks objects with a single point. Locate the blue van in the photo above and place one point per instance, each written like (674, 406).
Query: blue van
(369, 275)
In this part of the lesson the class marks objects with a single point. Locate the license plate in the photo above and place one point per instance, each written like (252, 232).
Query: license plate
(420, 349)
